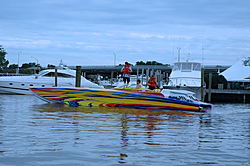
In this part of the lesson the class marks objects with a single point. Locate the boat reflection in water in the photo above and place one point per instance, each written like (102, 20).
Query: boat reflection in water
(117, 129)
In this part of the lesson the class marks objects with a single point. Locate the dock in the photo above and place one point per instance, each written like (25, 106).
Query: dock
(228, 96)
(112, 71)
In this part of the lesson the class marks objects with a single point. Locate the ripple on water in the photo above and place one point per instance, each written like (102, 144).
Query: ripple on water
(35, 133)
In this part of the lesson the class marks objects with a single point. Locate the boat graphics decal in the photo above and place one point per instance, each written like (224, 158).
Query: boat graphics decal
(126, 98)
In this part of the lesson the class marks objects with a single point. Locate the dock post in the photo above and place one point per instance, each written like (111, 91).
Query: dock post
(55, 77)
(244, 98)
(78, 76)
(202, 84)
(112, 75)
(137, 73)
(142, 73)
(210, 87)
(147, 73)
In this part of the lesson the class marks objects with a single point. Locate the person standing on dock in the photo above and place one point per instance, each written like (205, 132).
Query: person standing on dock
(126, 70)
(152, 82)
(98, 79)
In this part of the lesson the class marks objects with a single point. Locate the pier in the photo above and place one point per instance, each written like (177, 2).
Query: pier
(228, 96)
(213, 94)
(162, 72)
(110, 71)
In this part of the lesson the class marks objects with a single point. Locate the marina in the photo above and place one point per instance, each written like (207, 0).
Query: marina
(37, 133)
(152, 83)
(228, 95)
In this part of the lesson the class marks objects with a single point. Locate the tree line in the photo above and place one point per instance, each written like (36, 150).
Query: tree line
(4, 64)
(147, 63)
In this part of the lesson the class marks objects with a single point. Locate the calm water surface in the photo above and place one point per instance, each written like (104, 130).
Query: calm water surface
(35, 133)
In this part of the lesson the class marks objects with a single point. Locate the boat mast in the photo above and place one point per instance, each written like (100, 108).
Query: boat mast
(179, 54)
(202, 49)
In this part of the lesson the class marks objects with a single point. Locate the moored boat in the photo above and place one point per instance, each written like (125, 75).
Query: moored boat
(120, 97)
(45, 78)
(186, 76)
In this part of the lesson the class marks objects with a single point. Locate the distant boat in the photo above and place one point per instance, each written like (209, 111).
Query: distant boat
(45, 78)
(186, 76)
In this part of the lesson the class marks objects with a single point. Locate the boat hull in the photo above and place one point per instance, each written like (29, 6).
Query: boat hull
(195, 89)
(20, 84)
(128, 98)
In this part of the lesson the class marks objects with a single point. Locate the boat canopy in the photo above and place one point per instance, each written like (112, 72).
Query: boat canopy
(237, 72)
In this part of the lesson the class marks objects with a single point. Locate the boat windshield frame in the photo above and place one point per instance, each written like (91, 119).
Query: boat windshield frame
(46, 73)
(187, 66)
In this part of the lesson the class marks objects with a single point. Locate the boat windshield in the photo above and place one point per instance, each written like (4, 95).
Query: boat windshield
(63, 75)
(41, 73)
(52, 74)
(187, 66)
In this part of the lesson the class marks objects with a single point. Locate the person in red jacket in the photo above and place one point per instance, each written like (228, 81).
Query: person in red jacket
(126, 70)
(152, 82)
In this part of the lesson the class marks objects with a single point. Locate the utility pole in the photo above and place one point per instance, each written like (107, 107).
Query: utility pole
(114, 59)
(17, 71)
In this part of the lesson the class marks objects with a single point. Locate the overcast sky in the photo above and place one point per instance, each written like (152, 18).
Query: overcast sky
(90, 32)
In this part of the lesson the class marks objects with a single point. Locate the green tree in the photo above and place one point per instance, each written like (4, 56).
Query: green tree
(13, 66)
(28, 65)
(51, 66)
(32, 64)
(246, 62)
(25, 65)
(3, 62)
(140, 63)
(150, 63)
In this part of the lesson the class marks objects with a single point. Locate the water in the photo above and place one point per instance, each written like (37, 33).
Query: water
(35, 133)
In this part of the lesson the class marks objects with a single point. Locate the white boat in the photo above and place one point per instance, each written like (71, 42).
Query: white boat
(186, 76)
(46, 78)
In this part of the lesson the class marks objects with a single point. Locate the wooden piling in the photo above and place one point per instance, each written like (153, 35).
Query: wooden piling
(142, 74)
(55, 77)
(210, 87)
(202, 84)
(78, 76)
(147, 74)
(151, 73)
(112, 75)
(137, 75)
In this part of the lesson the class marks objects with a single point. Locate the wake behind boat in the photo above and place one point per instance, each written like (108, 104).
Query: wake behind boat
(120, 97)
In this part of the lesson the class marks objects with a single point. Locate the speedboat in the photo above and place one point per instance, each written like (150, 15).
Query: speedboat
(46, 78)
(186, 76)
(120, 97)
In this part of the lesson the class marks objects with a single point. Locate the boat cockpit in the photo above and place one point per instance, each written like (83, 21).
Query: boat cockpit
(187, 66)
(46, 73)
